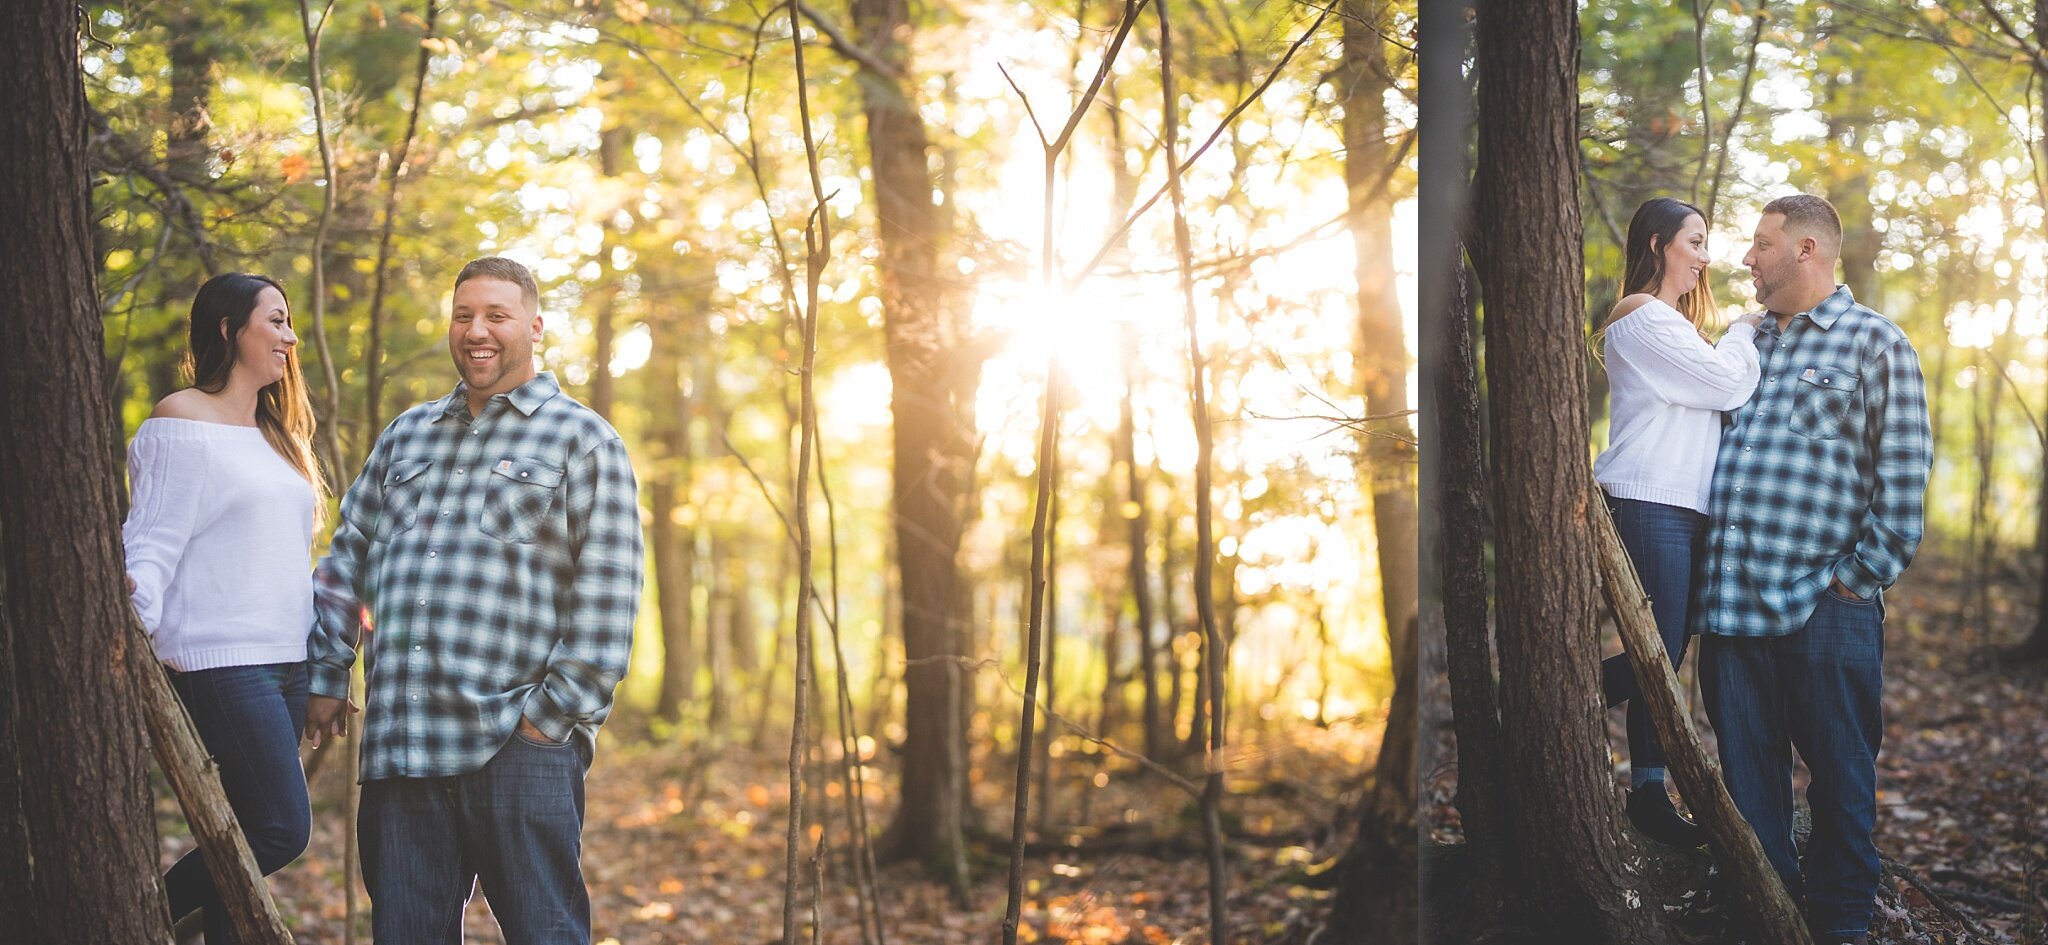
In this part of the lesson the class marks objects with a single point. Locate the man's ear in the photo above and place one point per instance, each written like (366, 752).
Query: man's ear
(536, 327)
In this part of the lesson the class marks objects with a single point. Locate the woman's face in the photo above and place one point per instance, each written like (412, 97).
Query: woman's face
(1685, 258)
(265, 342)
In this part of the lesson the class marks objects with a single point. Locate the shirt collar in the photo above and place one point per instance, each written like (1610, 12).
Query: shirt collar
(1831, 308)
(526, 398)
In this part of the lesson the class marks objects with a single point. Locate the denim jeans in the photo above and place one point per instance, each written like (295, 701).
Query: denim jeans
(1660, 540)
(249, 718)
(1817, 690)
(514, 826)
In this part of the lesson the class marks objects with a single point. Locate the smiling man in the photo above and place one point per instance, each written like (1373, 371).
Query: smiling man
(494, 537)
(1816, 508)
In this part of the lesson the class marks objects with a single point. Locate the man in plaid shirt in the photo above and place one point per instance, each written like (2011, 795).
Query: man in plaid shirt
(494, 536)
(1816, 509)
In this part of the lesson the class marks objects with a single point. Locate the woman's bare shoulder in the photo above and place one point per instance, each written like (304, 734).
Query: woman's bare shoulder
(187, 404)
(1629, 304)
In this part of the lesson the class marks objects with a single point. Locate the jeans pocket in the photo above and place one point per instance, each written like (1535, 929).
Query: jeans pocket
(542, 743)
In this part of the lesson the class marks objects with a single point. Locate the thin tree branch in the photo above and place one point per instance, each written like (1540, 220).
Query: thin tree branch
(1176, 169)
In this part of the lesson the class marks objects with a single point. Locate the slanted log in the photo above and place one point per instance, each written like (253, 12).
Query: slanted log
(195, 778)
(1698, 775)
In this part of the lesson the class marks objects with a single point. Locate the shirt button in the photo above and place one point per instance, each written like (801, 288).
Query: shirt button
(413, 698)
(415, 648)
(444, 513)
(460, 471)
(1744, 449)
(1729, 568)
(433, 554)
(423, 602)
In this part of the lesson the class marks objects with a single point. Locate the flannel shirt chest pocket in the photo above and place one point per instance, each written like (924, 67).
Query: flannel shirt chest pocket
(518, 495)
(1825, 403)
(404, 485)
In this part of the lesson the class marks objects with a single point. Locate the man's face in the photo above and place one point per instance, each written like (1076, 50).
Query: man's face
(491, 336)
(1773, 258)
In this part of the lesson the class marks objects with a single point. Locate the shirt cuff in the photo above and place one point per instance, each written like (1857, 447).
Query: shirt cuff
(1856, 579)
(327, 679)
(542, 712)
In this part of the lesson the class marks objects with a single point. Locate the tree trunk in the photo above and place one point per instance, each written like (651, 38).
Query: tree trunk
(1388, 454)
(933, 462)
(611, 151)
(83, 794)
(1379, 875)
(673, 529)
(19, 916)
(1526, 242)
(2036, 645)
(718, 715)
(1138, 573)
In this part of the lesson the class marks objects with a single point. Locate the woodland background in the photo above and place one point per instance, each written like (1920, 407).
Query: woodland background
(649, 160)
(1923, 122)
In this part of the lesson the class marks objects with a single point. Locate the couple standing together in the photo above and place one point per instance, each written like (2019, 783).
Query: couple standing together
(1768, 488)
(492, 541)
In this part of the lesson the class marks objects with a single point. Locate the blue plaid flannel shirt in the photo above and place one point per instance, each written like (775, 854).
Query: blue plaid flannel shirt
(499, 557)
(1822, 475)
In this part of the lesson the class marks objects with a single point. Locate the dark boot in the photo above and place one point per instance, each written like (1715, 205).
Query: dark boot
(1650, 809)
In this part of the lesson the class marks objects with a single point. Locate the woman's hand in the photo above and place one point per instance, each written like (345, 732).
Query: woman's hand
(327, 716)
(1752, 319)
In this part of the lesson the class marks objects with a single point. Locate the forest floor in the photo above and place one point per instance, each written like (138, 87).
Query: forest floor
(1962, 778)
(685, 844)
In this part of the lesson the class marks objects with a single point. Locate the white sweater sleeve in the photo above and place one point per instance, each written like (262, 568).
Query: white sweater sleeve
(1682, 368)
(167, 478)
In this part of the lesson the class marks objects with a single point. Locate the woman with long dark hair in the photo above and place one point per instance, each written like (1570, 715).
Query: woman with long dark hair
(224, 497)
(1668, 384)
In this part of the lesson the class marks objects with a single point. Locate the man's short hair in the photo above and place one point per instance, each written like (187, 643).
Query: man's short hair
(498, 267)
(1808, 215)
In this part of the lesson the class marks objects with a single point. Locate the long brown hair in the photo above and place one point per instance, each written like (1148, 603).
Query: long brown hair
(1650, 233)
(283, 411)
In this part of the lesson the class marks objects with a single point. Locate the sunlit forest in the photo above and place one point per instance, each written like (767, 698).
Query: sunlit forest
(1923, 124)
(693, 197)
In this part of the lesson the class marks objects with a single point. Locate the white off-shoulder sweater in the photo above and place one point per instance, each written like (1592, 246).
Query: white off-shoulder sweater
(1667, 388)
(219, 541)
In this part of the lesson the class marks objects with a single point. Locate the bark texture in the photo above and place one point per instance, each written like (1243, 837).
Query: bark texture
(1583, 884)
(84, 804)
(933, 454)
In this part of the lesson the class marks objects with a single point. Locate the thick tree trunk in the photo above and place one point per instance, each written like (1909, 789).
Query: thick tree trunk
(1527, 248)
(20, 919)
(78, 752)
(932, 456)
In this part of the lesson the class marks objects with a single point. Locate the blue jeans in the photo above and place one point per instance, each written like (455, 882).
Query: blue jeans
(1817, 690)
(515, 826)
(249, 718)
(1660, 540)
